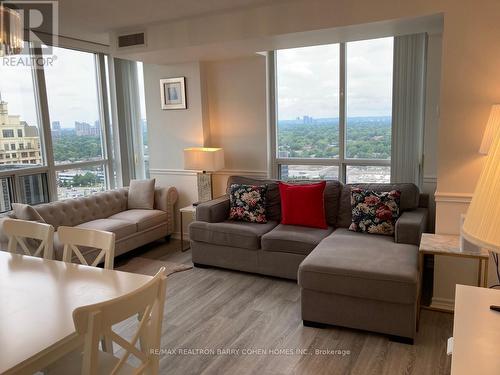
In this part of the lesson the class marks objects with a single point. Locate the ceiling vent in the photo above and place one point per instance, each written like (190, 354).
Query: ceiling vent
(131, 40)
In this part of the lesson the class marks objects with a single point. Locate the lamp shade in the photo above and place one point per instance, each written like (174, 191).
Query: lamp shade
(491, 127)
(204, 159)
(482, 223)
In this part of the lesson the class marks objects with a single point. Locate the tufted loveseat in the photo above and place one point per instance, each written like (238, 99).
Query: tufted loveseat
(108, 211)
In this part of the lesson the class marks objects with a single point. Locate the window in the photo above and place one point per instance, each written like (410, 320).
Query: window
(333, 111)
(142, 129)
(73, 183)
(77, 136)
(34, 188)
(5, 195)
(308, 172)
(9, 133)
(74, 107)
(73, 87)
(308, 103)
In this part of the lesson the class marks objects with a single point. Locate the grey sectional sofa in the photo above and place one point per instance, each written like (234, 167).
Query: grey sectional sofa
(349, 279)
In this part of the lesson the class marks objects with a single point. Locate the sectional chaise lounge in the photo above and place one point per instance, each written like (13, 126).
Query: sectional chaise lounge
(350, 279)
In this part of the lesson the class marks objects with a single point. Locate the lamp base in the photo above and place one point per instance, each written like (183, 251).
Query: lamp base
(204, 187)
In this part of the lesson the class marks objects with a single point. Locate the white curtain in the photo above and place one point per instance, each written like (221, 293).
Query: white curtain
(129, 117)
(408, 106)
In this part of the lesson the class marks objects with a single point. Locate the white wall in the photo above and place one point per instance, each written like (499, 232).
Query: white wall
(170, 131)
(226, 108)
(236, 92)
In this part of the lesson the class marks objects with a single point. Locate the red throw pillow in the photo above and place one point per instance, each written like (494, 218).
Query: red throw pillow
(303, 205)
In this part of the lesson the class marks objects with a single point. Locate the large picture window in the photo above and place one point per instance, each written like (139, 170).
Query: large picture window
(52, 138)
(333, 107)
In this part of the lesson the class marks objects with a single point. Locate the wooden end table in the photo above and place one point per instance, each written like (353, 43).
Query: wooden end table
(449, 245)
(189, 209)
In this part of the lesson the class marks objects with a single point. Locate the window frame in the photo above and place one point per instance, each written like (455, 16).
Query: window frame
(45, 132)
(342, 162)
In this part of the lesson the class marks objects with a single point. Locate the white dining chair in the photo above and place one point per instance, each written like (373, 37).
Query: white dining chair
(19, 231)
(94, 321)
(74, 238)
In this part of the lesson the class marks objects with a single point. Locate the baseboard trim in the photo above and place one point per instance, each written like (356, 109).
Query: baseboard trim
(177, 236)
(442, 304)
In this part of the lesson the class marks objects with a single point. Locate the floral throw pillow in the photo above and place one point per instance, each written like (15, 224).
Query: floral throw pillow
(374, 212)
(248, 203)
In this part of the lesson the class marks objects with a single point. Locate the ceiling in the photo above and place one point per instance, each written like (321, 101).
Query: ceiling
(92, 20)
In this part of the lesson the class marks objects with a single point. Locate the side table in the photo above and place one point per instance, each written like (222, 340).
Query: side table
(189, 209)
(449, 245)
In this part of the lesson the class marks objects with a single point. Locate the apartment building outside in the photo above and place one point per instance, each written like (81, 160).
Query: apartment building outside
(19, 142)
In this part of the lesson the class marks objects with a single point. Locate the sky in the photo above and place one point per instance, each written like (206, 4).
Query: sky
(71, 89)
(308, 80)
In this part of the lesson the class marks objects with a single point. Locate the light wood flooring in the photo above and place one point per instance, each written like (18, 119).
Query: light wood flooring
(259, 319)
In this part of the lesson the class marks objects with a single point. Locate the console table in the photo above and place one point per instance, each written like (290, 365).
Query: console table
(449, 245)
(476, 332)
(191, 210)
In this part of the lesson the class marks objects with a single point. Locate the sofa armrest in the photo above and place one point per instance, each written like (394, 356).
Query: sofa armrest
(4, 239)
(410, 226)
(213, 211)
(165, 198)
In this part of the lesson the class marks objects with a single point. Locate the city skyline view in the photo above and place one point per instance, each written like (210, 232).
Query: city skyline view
(308, 80)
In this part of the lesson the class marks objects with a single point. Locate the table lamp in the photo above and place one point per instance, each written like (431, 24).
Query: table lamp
(482, 223)
(491, 127)
(204, 160)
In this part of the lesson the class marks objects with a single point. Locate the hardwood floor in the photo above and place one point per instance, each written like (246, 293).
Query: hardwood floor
(258, 318)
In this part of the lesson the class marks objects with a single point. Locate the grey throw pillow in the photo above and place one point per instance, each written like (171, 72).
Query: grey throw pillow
(26, 212)
(141, 194)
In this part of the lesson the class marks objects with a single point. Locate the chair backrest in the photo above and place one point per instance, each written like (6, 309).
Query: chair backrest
(20, 230)
(74, 238)
(96, 321)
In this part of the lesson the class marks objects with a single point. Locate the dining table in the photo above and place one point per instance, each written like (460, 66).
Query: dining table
(37, 300)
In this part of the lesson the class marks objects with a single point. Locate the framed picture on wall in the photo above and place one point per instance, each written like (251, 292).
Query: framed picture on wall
(173, 93)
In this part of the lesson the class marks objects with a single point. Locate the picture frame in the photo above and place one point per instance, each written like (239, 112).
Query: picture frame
(173, 93)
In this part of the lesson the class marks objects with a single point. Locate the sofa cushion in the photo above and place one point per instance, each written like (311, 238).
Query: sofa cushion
(409, 200)
(364, 266)
(120, 228)
(248, 203)
(26, 212)
(294, 239)
(273, 203)
(144, 219)
(141, 194)
(71, 212)
(230, 233)
(373, 212)
(303, 204)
